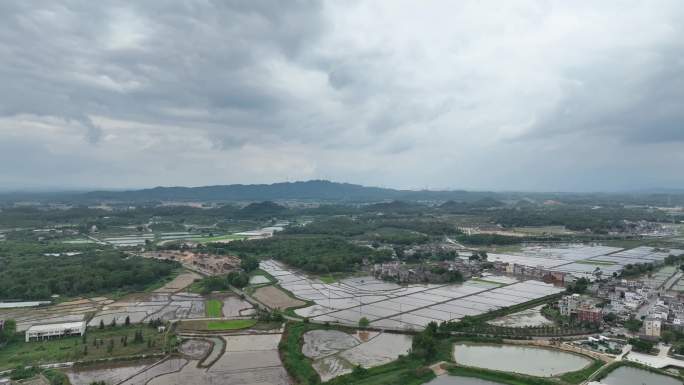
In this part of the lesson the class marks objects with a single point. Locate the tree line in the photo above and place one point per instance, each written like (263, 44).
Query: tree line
(35, 276)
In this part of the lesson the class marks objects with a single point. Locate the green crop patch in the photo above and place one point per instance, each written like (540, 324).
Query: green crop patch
(231, 324)
(214, 308)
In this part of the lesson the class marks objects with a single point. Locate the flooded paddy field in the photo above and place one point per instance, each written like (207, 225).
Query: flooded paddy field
(528, 317)
(235, 307)
(391, 306)
(148, 306)
(171, 365)
(110, 374)
(248, 359)
(335, 352)
(71, 311)
(532, 361)
(230, 360)
(582, 260)
(165, 303)
(258, 280)
(625, 375)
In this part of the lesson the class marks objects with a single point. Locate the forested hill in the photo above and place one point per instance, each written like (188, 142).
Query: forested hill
(321, 190)
(309, 190)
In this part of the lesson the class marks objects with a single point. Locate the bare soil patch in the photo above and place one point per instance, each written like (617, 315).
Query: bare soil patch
(275, 298)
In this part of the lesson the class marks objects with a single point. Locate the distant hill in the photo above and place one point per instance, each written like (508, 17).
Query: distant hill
(333, 192)
(309, 190)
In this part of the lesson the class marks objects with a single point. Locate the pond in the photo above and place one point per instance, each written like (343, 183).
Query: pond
(625, 375)
(519, 359)
(454, 380)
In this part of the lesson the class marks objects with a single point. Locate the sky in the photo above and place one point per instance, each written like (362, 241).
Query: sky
(480, 95)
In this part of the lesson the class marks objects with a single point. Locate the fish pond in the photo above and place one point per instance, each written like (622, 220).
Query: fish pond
(532, 361)
(626, 375)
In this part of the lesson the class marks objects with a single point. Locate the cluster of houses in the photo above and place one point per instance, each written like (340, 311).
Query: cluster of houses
(624, 299)
(534, 272)
(666, 313)
(434, 272)
(580, 308)
(628, 299)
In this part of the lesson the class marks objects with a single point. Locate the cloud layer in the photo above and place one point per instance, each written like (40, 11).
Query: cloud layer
(526, 95)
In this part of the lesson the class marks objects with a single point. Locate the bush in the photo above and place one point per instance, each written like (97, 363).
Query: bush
(8, 332)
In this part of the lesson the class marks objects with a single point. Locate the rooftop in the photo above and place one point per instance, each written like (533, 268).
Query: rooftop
(48, 327)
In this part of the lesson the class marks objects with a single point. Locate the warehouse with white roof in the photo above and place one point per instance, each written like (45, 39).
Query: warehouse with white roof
(47, 331)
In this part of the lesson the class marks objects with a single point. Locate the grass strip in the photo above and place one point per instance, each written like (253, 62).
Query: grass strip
(294, 361)
(499, 377)
(579, 376)
(231, 324)
(593, 262)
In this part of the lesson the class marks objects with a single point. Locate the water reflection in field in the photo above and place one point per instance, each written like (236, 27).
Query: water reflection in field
(519, 359)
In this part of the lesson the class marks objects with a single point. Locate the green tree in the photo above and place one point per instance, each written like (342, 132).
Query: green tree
(249, 264)
(363, 322)
(633, 325)
(8, 331)
(668, 336)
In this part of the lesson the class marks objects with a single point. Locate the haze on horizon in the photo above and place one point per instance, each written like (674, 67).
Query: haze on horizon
(479, 95)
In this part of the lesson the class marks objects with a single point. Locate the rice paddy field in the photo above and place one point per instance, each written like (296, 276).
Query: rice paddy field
(233, 306)
(529, 317)
(335, 352)
(219, 238)
(214, 308)
(166, 303)
(230, 324)
(393, 307)
(582, 260)
(236, 359)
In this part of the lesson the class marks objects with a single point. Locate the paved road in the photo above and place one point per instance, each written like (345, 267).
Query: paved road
(660, 361)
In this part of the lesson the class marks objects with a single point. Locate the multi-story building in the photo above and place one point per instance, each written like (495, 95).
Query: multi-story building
(589, 314)
(652, 327)
(568, 304)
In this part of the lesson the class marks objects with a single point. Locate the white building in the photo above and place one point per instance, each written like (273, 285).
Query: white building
(568, 304)
(652, 327)
(47, 331)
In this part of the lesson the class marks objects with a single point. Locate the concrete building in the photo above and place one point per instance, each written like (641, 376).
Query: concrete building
(47, 331)
(568, 304)
(589, 314)
(652, 327)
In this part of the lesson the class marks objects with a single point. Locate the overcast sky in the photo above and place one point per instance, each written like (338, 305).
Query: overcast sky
(502, 95)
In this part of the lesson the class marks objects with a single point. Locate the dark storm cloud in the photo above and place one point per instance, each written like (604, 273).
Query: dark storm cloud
(469, 94)
(136, 61)
(634, 96)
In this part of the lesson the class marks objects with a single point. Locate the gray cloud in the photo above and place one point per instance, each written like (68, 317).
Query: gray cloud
(521, 95)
